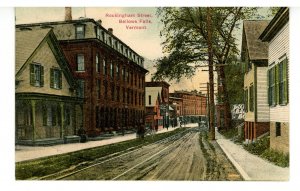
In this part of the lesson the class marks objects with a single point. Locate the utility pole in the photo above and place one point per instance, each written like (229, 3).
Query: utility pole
(211, 76)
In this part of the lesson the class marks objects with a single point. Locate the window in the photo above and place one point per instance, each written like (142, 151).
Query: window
(55, 78)
(251, 100)
(282, 81)
(50, 114)
(79, 31)
(109, 41)
(98, 33)
(80, 90)
(80, 62)
(98, 88)
(117, 72)
(97, 63)
(111, 69)
(104, 66)
(123, 73)
(278, 129)
(36, 75)
(149, 99)
(103, 36)
(246, 100)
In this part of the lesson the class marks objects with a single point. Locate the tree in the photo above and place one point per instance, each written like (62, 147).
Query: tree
(186, 42)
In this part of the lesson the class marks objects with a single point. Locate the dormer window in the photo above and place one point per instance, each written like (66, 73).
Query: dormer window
(79, 31)
(109, 41)
(103, 36)
(98, 33)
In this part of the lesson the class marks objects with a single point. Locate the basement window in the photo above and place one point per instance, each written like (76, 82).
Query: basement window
(278, 129)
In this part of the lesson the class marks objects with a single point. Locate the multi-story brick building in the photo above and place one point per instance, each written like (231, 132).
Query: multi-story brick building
(191, 103)
(110, 74)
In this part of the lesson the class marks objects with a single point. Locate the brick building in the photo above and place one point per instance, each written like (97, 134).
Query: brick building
(190, 103)
(110, 74)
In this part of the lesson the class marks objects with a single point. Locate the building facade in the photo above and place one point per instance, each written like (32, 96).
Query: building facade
(255, 58)
(47, 108)
(277, 36)
(190, 103)
(157, 92)
(110, 74)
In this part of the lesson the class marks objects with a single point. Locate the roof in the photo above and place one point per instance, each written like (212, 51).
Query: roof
(277, 23)
(154, 92)
(252, 29)
(26, 43)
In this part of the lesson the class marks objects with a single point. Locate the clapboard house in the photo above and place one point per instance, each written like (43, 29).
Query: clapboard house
(276, 35)
(254, 56)
(47, 108)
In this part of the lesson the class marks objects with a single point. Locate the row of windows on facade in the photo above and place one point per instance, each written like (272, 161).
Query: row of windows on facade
(109, 40)
(37, 76)
(277, 87)
(115, 71)
(117, 93)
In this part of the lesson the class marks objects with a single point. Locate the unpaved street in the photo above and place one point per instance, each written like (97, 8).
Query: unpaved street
(186, 156)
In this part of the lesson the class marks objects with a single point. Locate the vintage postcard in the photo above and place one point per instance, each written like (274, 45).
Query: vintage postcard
(152, 93)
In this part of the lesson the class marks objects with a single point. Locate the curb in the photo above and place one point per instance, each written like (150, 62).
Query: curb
(236, 164)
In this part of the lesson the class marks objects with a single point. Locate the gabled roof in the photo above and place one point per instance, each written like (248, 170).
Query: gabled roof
(252, 29)
(154, 92)
(26, 43)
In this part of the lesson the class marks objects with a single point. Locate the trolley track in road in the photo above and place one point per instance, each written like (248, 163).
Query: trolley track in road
(166, 143)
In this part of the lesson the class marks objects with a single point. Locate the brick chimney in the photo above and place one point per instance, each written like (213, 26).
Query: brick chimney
(110, 30)
(99, 21)
(68, 13)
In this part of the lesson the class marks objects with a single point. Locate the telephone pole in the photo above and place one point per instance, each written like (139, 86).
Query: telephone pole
(211, 76)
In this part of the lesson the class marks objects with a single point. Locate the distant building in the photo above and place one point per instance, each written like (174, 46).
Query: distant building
(189, 103)
(157, 104)
(110, 74)
(47, 108)
(277, 36)
(255, 57)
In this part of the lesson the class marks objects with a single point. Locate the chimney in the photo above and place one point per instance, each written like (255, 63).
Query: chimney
(110, 30)
(68, 13)
(99, 21)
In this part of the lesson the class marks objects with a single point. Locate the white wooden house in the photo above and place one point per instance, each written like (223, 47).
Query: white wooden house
(254, 55)
(277, 36)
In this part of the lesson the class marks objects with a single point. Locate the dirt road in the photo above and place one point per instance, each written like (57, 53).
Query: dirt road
(186, 156)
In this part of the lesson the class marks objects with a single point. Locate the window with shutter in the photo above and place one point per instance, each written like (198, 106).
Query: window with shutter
(55, 78)
(36, 75)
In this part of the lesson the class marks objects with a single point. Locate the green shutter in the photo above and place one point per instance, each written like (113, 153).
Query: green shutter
(60, 79)
(32, 81)
(285, 78)
(58, 113)
(51, 77)
(42, 76)
(276, 84)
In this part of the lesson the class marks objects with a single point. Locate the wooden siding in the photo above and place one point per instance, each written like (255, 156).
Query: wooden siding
(278, 47)
(262, 95)
(46, 58)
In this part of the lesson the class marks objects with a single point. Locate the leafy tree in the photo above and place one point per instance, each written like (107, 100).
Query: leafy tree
(185, 41)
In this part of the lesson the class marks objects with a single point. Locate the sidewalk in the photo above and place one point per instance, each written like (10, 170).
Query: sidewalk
(250, 166)
(23, 153)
